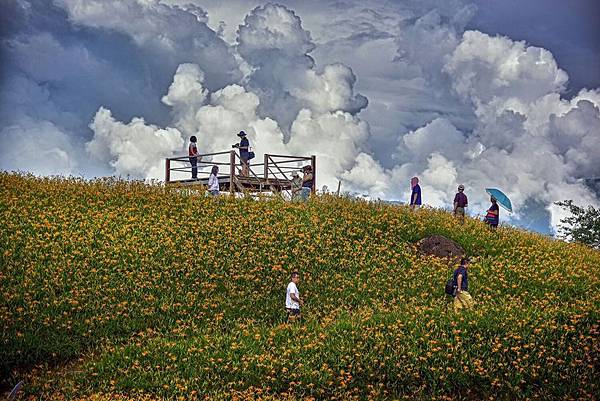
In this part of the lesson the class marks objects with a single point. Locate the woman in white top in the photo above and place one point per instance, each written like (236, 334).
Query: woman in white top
(213, 182)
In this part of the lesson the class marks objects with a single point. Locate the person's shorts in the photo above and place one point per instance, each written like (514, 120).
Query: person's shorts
(460, 211)
(305, 193)
(293, 312)
(214, 192)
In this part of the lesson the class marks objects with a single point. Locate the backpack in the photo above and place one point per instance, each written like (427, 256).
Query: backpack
(450, 288)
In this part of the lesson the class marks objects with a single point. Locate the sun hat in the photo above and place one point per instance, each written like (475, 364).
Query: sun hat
(242, 133)
(461, 186)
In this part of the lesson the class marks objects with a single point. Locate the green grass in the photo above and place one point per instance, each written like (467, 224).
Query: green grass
(113, 289)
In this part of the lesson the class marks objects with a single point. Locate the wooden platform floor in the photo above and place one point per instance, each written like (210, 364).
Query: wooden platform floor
(247, 183)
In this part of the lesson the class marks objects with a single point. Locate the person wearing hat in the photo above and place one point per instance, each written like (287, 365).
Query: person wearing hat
(296, 185)
(460, 203)
(244, 147)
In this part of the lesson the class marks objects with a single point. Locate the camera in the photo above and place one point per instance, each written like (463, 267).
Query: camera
(237, 145)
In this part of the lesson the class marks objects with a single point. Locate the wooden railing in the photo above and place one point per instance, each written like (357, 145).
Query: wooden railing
(275, 173)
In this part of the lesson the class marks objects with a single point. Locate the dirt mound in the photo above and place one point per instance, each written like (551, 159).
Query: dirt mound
(440, 246)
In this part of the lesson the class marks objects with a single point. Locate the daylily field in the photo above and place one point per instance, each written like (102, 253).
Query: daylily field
(121, 290)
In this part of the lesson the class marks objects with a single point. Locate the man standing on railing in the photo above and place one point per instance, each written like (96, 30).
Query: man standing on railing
(244, 147)
(193, 154)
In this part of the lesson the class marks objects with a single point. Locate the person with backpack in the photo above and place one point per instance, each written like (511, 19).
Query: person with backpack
(460, 283)
(213, 182)
(460, 203)
(193, 156)
(493, 214)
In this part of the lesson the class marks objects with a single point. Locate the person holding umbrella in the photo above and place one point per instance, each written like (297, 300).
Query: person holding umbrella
(493, 213)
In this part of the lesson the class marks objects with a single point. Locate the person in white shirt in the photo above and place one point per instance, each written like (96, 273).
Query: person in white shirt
(213, 182)
(296, 186)
(292, 298)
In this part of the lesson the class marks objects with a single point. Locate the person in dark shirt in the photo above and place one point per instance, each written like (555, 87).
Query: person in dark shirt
(460, 203)
(493, 214)
(460, 280)
(415, 195)
(307, 182)
(244, 147)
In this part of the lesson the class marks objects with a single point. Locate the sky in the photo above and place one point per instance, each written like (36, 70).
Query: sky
(483, 93)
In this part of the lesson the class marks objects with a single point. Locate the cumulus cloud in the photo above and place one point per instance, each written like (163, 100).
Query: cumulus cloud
(186, 95)
(485, 68)
(38, 146)
(336, 138)
(135, 149)
(170, 34)
(367, 176)
(576, 135)
(447, 104)
(273, 30)
(273, 41)
(519, 141)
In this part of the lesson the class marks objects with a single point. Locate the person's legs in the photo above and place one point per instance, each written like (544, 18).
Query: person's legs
(463, 300)
(245, 168)
(194, 163)
(293, 315)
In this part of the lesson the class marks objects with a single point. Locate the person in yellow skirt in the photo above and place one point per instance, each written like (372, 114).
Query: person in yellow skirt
(462, 298)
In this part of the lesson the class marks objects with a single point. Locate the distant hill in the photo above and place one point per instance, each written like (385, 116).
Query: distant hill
(121, 290)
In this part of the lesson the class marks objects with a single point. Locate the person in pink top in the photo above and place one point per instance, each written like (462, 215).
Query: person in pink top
(193, 155)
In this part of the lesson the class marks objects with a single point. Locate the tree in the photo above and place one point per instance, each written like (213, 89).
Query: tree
(582, 226)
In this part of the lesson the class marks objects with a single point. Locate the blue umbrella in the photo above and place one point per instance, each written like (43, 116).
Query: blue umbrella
(500, 197)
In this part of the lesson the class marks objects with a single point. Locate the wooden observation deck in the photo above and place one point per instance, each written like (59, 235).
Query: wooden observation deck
(274, 174)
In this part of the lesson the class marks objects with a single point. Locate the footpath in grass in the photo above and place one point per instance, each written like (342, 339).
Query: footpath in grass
(119, 289)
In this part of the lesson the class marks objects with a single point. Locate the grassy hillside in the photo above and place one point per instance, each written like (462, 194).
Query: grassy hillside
(115, 289)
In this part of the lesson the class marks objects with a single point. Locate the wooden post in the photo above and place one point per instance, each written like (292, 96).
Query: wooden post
(266, 167)
(231, 172)
(313, 163)
(167, 170)
(338, 190)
